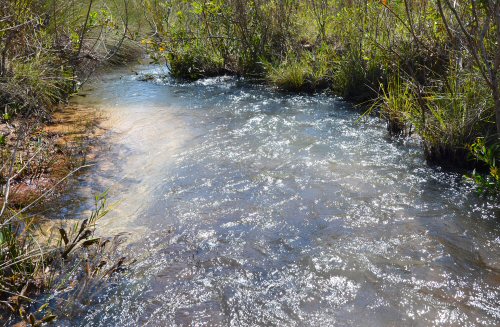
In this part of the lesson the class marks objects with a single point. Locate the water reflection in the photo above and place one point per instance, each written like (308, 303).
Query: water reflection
(249, 207)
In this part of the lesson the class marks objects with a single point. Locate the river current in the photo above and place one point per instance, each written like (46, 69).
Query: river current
(244, 206)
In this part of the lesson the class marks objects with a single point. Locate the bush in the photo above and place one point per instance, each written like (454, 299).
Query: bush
(447, 115)
(488, 155)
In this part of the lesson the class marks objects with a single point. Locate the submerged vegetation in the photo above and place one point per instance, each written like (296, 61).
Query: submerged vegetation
(429, 67)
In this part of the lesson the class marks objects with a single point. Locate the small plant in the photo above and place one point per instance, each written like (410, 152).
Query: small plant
(34, 261)
(308, 73)
(490, 156)
(290, 76)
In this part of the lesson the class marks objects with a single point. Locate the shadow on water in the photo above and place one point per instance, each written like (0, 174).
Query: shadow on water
(249, 207)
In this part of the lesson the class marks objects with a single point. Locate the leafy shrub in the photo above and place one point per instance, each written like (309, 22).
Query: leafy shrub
(489, 155)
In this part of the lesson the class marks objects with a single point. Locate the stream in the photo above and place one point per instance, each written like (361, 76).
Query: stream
(244, 206)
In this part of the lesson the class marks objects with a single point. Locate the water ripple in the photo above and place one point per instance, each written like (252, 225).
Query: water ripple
(286, 211)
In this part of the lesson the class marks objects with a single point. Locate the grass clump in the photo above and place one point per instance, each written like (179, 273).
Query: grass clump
(290, 75)
(446, 115)
(65, 260)
(35, 85)
(309, 73)
(192, 64)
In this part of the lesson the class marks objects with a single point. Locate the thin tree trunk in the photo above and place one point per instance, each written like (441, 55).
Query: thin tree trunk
(84, 29)
(496, 98)
(4, 54)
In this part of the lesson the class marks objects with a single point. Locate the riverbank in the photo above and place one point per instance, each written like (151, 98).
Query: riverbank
(36, 252)
(412, 62)
(51, 151)
(49, 49)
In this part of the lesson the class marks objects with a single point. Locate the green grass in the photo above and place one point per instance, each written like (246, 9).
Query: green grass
(291, 75)
(447, 115)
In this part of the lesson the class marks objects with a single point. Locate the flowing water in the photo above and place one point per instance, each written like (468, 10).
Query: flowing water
(248, 207)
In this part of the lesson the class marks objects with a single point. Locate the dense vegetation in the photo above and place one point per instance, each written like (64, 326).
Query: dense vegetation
(48, 49)
(429, 67)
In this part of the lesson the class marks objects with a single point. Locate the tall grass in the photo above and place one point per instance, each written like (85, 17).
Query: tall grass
(309, 73)
(448, 114)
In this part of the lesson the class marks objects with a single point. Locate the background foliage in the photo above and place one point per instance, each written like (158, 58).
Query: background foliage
(426, 66)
